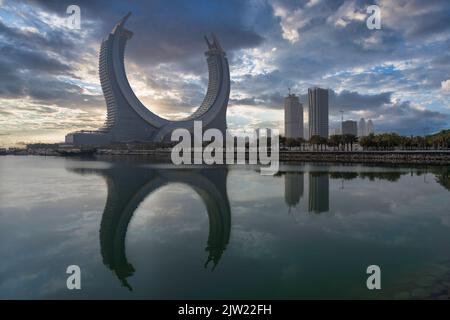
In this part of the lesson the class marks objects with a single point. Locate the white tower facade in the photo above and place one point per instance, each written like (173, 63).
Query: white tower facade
(362, 130)
(293, 117)
(370, 127)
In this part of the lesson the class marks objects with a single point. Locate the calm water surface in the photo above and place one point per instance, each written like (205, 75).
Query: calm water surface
(143, 230)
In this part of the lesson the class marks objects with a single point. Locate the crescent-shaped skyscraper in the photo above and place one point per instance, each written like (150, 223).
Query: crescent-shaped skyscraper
(129, 120)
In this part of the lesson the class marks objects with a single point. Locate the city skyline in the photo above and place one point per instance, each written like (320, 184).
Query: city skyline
(295, 127)
(398, 76)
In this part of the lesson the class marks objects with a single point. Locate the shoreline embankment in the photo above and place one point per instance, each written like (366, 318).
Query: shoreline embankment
(435, 157)
(438, 157)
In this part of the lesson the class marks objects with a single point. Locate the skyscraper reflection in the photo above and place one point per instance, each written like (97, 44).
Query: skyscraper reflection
(319, 192)
(293, 188)
(128, 185)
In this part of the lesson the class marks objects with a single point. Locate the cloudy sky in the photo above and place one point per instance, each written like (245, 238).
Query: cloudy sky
(398, 76)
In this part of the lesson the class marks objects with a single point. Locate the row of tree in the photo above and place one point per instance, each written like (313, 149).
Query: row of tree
(383, 141)
(337, 142)
(389, 141)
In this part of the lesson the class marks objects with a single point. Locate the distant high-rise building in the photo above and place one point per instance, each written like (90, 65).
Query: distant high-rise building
(350, 127)
(337, 131)
(362, 130)
(293, 117)
(370, 127)
(306, 132)
(318, 112)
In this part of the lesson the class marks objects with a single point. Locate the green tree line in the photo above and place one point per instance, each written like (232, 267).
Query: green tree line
(382, 141)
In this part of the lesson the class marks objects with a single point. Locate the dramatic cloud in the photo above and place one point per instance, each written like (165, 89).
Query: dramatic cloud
(167, 31)
(290, 22)
(417, 19)
(445, 85)
(352, 101)
(408, 119)
(347, 13)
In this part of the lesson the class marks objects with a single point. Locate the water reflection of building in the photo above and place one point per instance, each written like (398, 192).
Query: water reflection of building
(293, 188)
(319, 192)
(443, 177)
(129, 185)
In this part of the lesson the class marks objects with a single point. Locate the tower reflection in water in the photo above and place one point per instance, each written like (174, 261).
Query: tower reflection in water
(129, 184)
(318, 195)
(319, 192)
(319, 183)
(293, 188)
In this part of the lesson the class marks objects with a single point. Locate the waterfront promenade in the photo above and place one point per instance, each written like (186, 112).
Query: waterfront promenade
(441, 157)
(436, 157)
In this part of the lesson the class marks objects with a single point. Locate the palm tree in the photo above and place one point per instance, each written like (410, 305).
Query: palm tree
(334, 141)
(315, 141)
(368, 142)
(300, 142)
(282, 141)
(389, 141)
(352, 139)
(290, 142)
(323, 142)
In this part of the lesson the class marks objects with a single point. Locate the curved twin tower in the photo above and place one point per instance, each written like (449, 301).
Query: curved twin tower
(128, 120)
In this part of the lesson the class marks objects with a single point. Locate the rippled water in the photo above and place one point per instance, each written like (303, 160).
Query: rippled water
(143, 230)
